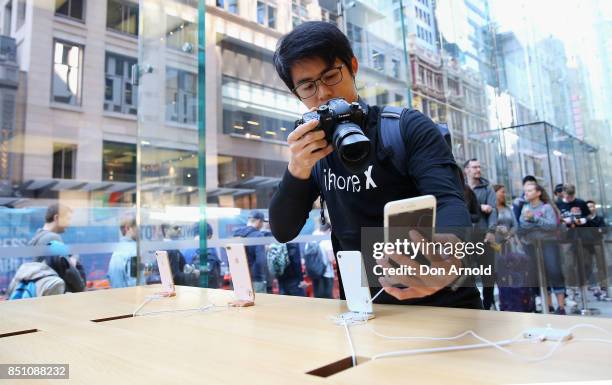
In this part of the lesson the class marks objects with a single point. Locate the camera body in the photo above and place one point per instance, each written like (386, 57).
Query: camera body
(342, 123)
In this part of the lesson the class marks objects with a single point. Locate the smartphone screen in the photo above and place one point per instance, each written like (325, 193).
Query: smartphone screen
(421, 220)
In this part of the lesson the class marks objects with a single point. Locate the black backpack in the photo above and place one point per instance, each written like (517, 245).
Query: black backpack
(313, 258)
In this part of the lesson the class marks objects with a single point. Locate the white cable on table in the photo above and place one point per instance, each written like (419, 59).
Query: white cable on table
(498, 345)
(350, 340)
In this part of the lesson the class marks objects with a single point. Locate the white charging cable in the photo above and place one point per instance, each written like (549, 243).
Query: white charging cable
(487, 343)
(350, 341)
(152, 297)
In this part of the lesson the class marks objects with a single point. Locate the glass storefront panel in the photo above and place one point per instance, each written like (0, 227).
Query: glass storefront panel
(150, 118)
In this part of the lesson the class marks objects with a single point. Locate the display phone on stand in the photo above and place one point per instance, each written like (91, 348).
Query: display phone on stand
(241, 275)
(358, 297)
(165, 274)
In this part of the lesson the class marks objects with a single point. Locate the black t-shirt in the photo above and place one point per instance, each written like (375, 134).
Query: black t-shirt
(576, 209)
(357, 200)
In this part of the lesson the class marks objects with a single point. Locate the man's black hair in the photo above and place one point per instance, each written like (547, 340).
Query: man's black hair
(467, 162)
(590, 201)
(312, 39)
(529, 178)
(559, 188)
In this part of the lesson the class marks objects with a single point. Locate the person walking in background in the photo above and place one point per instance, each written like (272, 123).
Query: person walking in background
(485, 228)
(256, 255)
(323, 281)
(122, 267)
(68, 267)
(538, 226)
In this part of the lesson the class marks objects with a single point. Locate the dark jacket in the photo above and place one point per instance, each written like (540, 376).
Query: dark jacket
(486, 196)
(256, 255)
(472, 204)
(357, 200)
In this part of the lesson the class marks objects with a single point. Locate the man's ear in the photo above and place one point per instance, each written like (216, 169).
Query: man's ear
(354, 66)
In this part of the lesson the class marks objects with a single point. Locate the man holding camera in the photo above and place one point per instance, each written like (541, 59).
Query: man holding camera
(317, 63)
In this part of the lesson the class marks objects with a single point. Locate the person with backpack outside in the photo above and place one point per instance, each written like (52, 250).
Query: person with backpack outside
(538, 226)
(122, 272)
(319, 260)
(213, 262)
(35, 279)
(68, 267)
(317, 63)
(256, 254)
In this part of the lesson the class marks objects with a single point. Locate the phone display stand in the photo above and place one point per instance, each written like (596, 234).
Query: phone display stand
(358, 297)
(241, 276)
(165, 273)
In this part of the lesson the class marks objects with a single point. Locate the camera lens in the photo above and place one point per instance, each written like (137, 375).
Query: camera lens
(352, 145)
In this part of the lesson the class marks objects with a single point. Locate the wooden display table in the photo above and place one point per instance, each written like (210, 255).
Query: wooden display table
(277, 341)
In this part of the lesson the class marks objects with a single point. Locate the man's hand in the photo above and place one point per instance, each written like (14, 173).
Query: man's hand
(486, 209)
(307, 148)
(418, 286)
(489, 238)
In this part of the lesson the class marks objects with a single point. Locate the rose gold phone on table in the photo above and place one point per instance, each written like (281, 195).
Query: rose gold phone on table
(241, 275)
(165, 273)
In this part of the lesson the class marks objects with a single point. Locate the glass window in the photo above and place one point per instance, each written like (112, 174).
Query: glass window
(261, 12)
(119, 93)
(181, 96)
(64, 161)
(67, 59)
(181, 34)
(6, 23)
(271, 17)
(378, 60)
(122, 17)
(21, 12)
(118, 161)
(70, 8)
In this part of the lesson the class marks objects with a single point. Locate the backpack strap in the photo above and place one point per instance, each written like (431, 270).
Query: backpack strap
(392, 139)
(316, 171)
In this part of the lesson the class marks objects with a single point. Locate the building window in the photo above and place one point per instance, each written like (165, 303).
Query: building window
(122, 17)
(228, 5)
(266, 14)
(299, 12)
(64, 160)
(181, 34)
(395, 68)
(70, 8)
(120, 95)
(119, 161)
(181, 96)
(378, 60)
(67, 59)
(382, 99)
(271, 16)
(261, 12)
(21, 13)
(8, 12)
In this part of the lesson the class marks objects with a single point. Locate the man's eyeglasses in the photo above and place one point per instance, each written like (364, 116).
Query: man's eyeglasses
(307, 89)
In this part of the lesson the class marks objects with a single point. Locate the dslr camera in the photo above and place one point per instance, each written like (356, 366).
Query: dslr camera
(342, 123)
